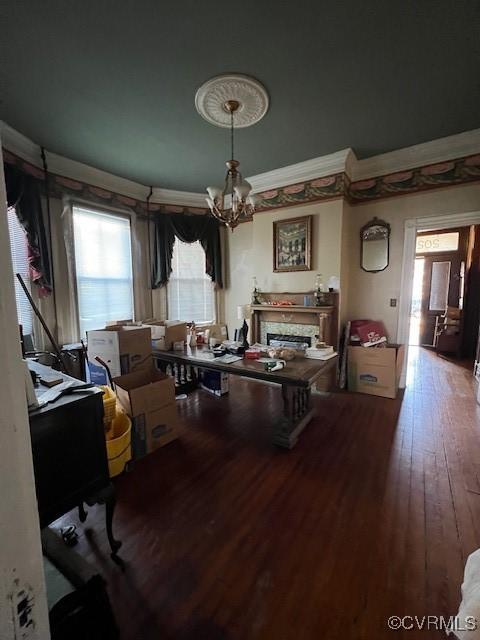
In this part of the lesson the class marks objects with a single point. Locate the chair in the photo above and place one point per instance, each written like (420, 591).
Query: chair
(448, 331)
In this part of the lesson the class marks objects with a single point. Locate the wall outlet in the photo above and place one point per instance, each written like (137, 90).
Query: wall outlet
(393, 302)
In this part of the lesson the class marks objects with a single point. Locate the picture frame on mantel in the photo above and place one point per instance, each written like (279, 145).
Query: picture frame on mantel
(292, 244)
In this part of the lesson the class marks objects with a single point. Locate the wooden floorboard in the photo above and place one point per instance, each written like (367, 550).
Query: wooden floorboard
(372, 514)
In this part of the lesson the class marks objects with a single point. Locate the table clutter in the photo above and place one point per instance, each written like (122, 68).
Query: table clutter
(320, 353)
(296, 378)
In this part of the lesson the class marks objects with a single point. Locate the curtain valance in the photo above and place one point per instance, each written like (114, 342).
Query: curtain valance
(187, 228)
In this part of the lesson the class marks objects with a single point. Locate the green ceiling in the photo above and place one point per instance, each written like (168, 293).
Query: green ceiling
(112, 83)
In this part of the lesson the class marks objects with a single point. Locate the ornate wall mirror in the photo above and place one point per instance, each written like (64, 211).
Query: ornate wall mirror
(375, 245)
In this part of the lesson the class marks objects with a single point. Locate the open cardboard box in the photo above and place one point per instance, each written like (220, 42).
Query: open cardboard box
(123, 349)
(375, 370)
(166, 332)
(148, 396)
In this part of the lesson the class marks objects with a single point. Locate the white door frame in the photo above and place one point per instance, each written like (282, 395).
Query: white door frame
(412, 226)
(21, 564)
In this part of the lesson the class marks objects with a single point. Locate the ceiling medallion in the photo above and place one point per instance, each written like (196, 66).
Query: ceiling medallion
(232, 101)
(251, 95)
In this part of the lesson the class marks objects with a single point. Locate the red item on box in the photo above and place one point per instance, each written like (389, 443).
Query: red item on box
(372, 333)
(354, 325)
(252, 354)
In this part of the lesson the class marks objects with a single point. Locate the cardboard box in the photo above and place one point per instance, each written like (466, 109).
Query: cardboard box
(215, 382)
(218, 331)
(124, 349)
(149, 399)
(120, 323)
(375, 370)
(161, 427)
(166, 332)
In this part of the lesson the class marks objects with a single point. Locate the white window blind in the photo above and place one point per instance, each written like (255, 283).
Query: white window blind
(103, 265)
(190, 289)
(19, 251)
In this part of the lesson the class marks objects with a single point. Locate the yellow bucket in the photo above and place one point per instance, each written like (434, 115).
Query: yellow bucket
(109, 401)
(119, 443)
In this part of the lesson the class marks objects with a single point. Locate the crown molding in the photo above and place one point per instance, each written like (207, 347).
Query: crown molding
(84, 173)
(180, 198)
(449, 148)
(440, 150)
(302, 171)
(20, 145)
(26, 149)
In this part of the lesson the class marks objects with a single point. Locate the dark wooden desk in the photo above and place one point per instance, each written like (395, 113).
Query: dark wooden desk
(296, 380)
(69, 455)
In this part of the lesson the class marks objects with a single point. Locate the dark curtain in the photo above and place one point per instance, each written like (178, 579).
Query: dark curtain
(23, 193)
(187, 228)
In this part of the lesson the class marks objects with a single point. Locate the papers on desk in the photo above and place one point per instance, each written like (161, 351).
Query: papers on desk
(203, 355)
(208, 356)
(324, 357)
(228, 358)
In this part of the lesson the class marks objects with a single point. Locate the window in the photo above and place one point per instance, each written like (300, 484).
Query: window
(19, 251)
(437, 242)
(190, 289)
(103, 265)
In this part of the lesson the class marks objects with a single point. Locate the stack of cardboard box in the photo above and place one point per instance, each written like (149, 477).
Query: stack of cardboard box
(146, 394)
(149, 399)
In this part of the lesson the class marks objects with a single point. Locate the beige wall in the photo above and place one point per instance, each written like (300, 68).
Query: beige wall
(336, 251)
(369, 293)
(250, 253)
(345, 264)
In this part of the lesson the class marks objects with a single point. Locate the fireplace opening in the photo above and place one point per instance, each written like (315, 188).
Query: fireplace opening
(285, 340)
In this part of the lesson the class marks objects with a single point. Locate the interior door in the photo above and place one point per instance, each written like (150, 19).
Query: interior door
(443, 275)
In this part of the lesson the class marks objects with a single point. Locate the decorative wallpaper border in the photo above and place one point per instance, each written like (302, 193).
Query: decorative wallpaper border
(326, 188)
(444, 174)
(434, 176)
(453, 172)
(58, 186)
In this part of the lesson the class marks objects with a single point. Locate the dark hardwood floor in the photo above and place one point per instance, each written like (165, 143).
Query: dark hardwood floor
(373, 514)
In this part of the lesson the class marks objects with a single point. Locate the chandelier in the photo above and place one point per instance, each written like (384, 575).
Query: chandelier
(234, 202)
(234, 101)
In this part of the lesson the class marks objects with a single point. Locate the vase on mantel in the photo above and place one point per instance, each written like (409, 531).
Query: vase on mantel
(318, 293)
(255, 293)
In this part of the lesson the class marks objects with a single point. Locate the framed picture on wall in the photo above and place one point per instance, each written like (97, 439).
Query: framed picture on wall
(292, 244)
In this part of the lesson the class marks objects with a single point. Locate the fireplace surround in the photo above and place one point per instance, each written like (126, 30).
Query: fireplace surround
(298, 320)
(295, 318)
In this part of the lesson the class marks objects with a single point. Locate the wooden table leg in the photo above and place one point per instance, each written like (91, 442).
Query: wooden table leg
(107, 497)
(297, 413)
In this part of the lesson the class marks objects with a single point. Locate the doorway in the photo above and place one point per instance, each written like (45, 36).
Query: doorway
(411, 227)
(438, 289)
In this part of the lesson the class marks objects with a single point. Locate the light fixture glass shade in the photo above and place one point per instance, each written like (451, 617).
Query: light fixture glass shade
(214, 192)
(242, 190)
(232, 204)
